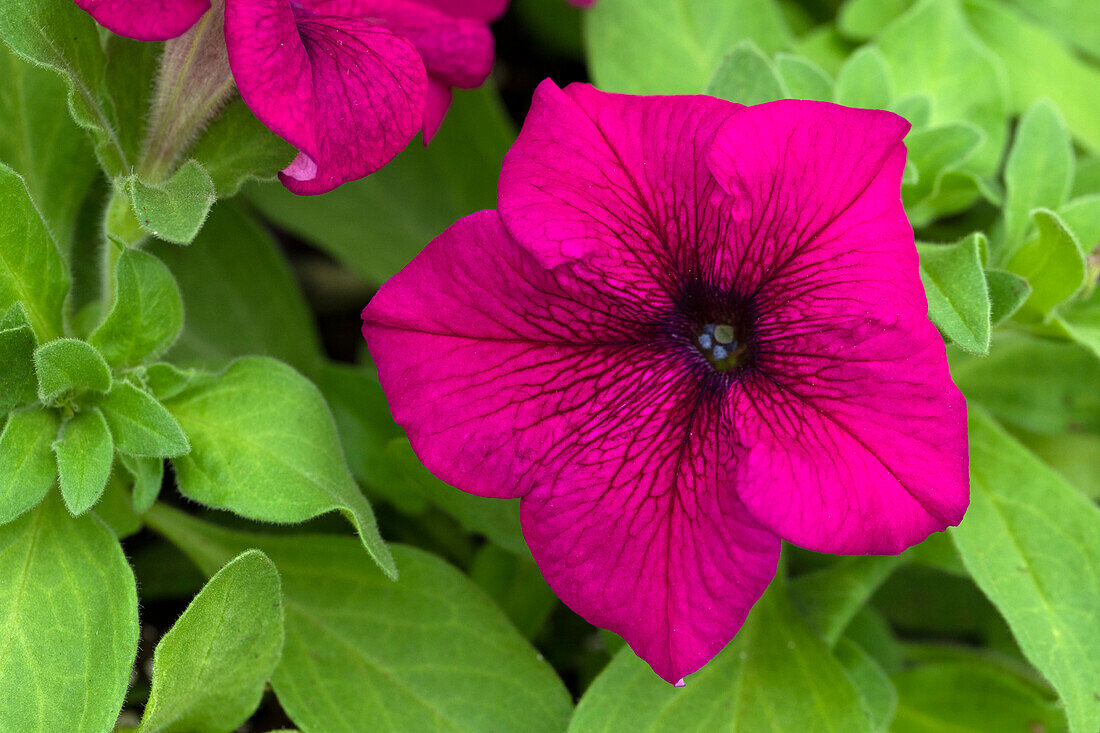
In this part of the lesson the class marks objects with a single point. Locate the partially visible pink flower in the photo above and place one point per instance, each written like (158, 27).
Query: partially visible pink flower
(690, 329)
(349, 82)
(146, 20)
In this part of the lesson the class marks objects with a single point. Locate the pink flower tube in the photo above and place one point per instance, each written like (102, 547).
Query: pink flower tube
(691, 329)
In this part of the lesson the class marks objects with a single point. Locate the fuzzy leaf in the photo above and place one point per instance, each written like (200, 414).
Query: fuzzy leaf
(261, 424)
(148, 475)
(210, 669)
(146, 315)
(864, 80)
(84, 455)
(879, 695)
(140, 424)
(1039, 170)
(747, 76)
(68, 623)
(236, 148)
(958, 296)
(803, 78)
(1032, 544)
(175, 209)
(1007, 292)
(863, 19)
(27, 465)
(18, 383)
(65, 366)
(31, 269)
(1051, 262)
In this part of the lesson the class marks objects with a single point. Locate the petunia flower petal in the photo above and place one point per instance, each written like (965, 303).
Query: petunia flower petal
(617, 187)
(146, 20)
(515, 381)
(348, 94)
(483, 10)
(857, 435)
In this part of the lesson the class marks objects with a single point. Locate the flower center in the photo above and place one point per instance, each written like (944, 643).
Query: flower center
(719, 344)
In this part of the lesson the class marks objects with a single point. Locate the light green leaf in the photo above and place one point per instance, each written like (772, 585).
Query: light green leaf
(376, 225)
(1007, 292)
(1074, 455)
(863, 19)
(774, 659)
(674, 46)
(1039, 65)
(878, 693)
(829, 598)
(1032, 543)
(932, 50)
(68, 623)
(958, 297)
(1082, 216)
(65, 366)
(140, 424)
(1075, 21)
(1087, 180)
(430, 652)
(967, 695)
(39, 140)
(27, 465)
(240, 295)
(236, 148)
(84, 452)
(116, 508)
(173, 210)
(166, 380)
(825, 47)
(516, 585)
(936, 151)
(747, 76)
(1081, 323)
(18, 383)
(1051, 262)
(1033, 383)
(132, 68)
(146, 314)
(261, 424)
(1039, 170)
(803, 78)
(31, 268)
(917, 108)
(61, 36)
(148, 475)
(210, 669)
(864, 80)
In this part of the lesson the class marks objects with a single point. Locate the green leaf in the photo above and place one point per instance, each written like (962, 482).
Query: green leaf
(240, 295)
(18, 383)
(1034, 384)
(68, 623)
(1007, 292)
(148, 475)
(1076, 22)
(774, 659)
(84, 455)
(1082, 216)
(1032, 544)
(210, 669)
(516, 585)
(966, 695)
(1039, 65)
(65, 366)
(1051, 262)
(1074, 455)
(863, 19)
(376, 225)
(803, 78)
(166, 380)
(132, 68)
(932, 50)
(140, 424)
(31, 268)
(747, 76)
(1081, 323)
(61, 36)
(27, 465)
(864, 80)
(937, 152)
(829, 598)
(258, 425)
(1087, 179)
(39, 140)
(917, 108)
(236, 148)
(825, 47)
(1039, 170)
(674, 46)
(173, 210)
(146, 314)
(116, 508)
(958, 297)
(879, 695)
(430, 652)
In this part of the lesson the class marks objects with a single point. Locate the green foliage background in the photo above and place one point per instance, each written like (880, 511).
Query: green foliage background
(152, 318)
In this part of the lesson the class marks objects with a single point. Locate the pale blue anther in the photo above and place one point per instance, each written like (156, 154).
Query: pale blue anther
(706, 341)
(719, 353)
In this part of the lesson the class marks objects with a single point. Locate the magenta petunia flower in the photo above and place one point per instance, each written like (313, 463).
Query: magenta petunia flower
(349, 82)
(146, 20)
(691, 329)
